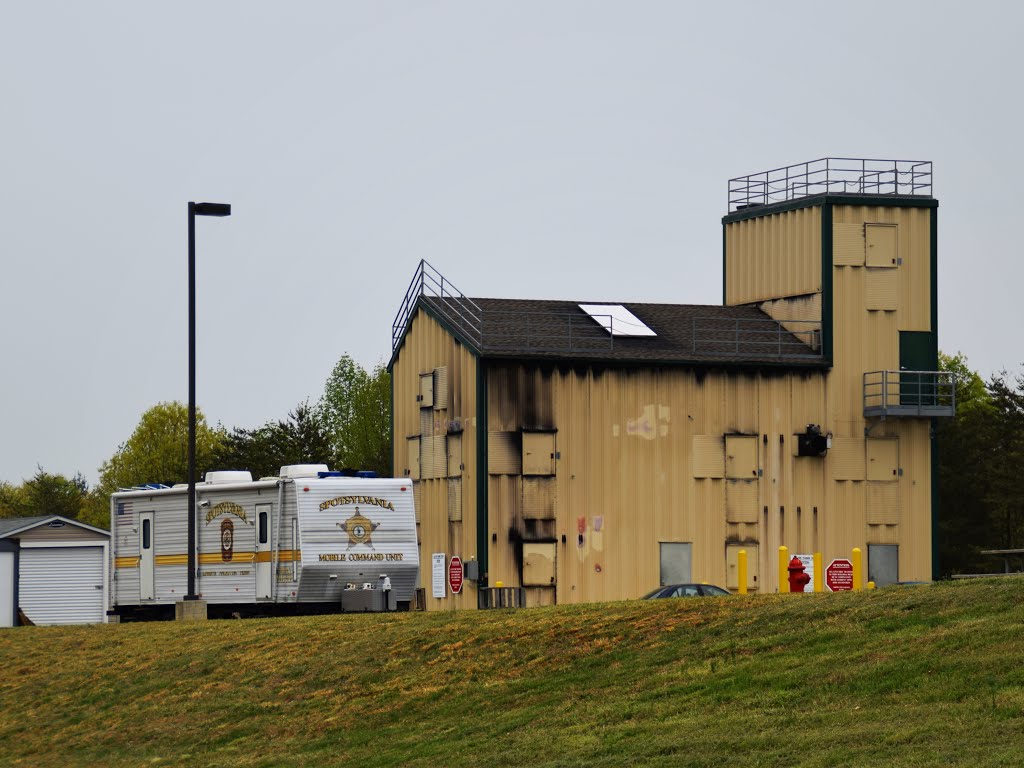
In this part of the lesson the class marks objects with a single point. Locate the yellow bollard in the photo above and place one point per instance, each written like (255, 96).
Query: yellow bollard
(858, 573)
(783, 569)
(741, 570)
(871, 585)
(819, 574)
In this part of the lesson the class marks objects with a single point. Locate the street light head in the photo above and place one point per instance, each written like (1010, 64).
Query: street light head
(212, 209)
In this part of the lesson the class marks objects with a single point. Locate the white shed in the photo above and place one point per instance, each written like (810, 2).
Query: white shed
(54, 569)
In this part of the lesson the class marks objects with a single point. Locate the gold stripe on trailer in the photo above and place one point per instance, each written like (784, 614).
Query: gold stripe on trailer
(171, 559)
(285, 556)
(215, 558)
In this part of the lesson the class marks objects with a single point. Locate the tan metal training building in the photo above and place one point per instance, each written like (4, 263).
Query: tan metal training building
(590, 452)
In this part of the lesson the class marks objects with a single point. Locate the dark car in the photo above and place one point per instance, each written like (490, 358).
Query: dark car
(687, 590)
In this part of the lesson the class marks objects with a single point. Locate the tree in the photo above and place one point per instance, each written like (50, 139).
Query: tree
(47, 494)
(157, 451)
(302, 438)
(980, 452)
(12, 501)
(356, 408)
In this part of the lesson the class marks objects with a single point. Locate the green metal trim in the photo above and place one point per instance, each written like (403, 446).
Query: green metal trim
(890, 201)
(597, 362)
(935, 500)
(827, 288)
(482, 544)
(934, 268)
(725, 286)
(391, 419)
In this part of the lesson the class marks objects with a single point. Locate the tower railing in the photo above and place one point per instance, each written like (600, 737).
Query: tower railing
(832, 175)
(458, 309)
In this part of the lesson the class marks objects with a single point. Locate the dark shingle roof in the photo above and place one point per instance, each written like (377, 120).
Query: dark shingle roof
(685, 332)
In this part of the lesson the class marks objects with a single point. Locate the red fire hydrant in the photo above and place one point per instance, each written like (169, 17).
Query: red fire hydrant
(797, 578)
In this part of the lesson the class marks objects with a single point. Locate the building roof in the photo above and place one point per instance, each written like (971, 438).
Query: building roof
(684, 333)
(12, 525)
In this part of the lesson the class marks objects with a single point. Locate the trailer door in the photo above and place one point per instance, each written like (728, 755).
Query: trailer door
(264, 552)
(146, 559)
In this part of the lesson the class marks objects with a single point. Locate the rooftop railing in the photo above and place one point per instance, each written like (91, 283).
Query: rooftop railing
(507, 331)
(832, 175)
(459, 310)
(756, 338)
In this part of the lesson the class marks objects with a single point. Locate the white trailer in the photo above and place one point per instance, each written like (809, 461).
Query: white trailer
(307, 541)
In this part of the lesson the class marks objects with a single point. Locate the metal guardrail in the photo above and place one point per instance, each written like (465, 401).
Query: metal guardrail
(909, 393)
(767, 338)
(836, 175)
(523, 330)
(461, 311)
(519, 330)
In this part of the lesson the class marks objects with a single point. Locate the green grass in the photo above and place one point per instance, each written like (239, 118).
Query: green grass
(919, 676)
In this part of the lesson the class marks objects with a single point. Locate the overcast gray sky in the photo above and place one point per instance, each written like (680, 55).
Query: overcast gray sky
(573, 150)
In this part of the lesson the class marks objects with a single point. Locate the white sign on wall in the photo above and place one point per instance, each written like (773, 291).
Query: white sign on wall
(437, 574)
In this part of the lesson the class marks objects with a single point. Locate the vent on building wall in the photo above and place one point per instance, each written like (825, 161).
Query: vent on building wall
(617, 320)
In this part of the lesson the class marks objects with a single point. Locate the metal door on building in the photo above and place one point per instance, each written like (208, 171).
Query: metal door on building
(918, 353)
(146, 556)
(61, 585)
(883, 564)
(264, 565)
(675, 562)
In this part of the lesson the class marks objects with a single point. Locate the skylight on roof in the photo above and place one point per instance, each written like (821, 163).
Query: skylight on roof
(617, 320)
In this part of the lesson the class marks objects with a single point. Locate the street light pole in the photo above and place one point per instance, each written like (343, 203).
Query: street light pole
(194, 209)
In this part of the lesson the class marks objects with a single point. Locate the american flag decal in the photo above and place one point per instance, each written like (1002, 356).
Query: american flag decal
(123, 514)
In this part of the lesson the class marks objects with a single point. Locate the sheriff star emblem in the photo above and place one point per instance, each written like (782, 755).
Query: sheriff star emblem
(359, 529)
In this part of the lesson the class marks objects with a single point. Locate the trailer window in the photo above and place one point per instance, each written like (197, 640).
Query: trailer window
(263, 527)
(146, 534)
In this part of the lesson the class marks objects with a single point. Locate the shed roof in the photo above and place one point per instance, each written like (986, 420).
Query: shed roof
(684, 333)
(13, 525)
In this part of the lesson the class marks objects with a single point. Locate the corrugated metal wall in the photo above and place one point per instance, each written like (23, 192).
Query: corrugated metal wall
(642, 455)
(447, 427)
(773, 256)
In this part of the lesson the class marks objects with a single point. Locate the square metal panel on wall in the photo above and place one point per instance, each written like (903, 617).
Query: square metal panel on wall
(882, 503)
(539, 498)
(846, 458)
(539, 564)
(412, 462)
(538, 453)
(455, 454)
(455, 500)
(741, 457)
(708, 457)
(440, 398)
(881, 289)
(426, 398)
(741, 501)
(882, 245)
(848, 245)
(676, 562)
(882, 459)
(504, 454)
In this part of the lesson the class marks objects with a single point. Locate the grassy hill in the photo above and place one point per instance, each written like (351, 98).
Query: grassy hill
(916, 676)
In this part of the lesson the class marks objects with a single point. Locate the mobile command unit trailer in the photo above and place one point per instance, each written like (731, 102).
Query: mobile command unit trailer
(307, 541)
